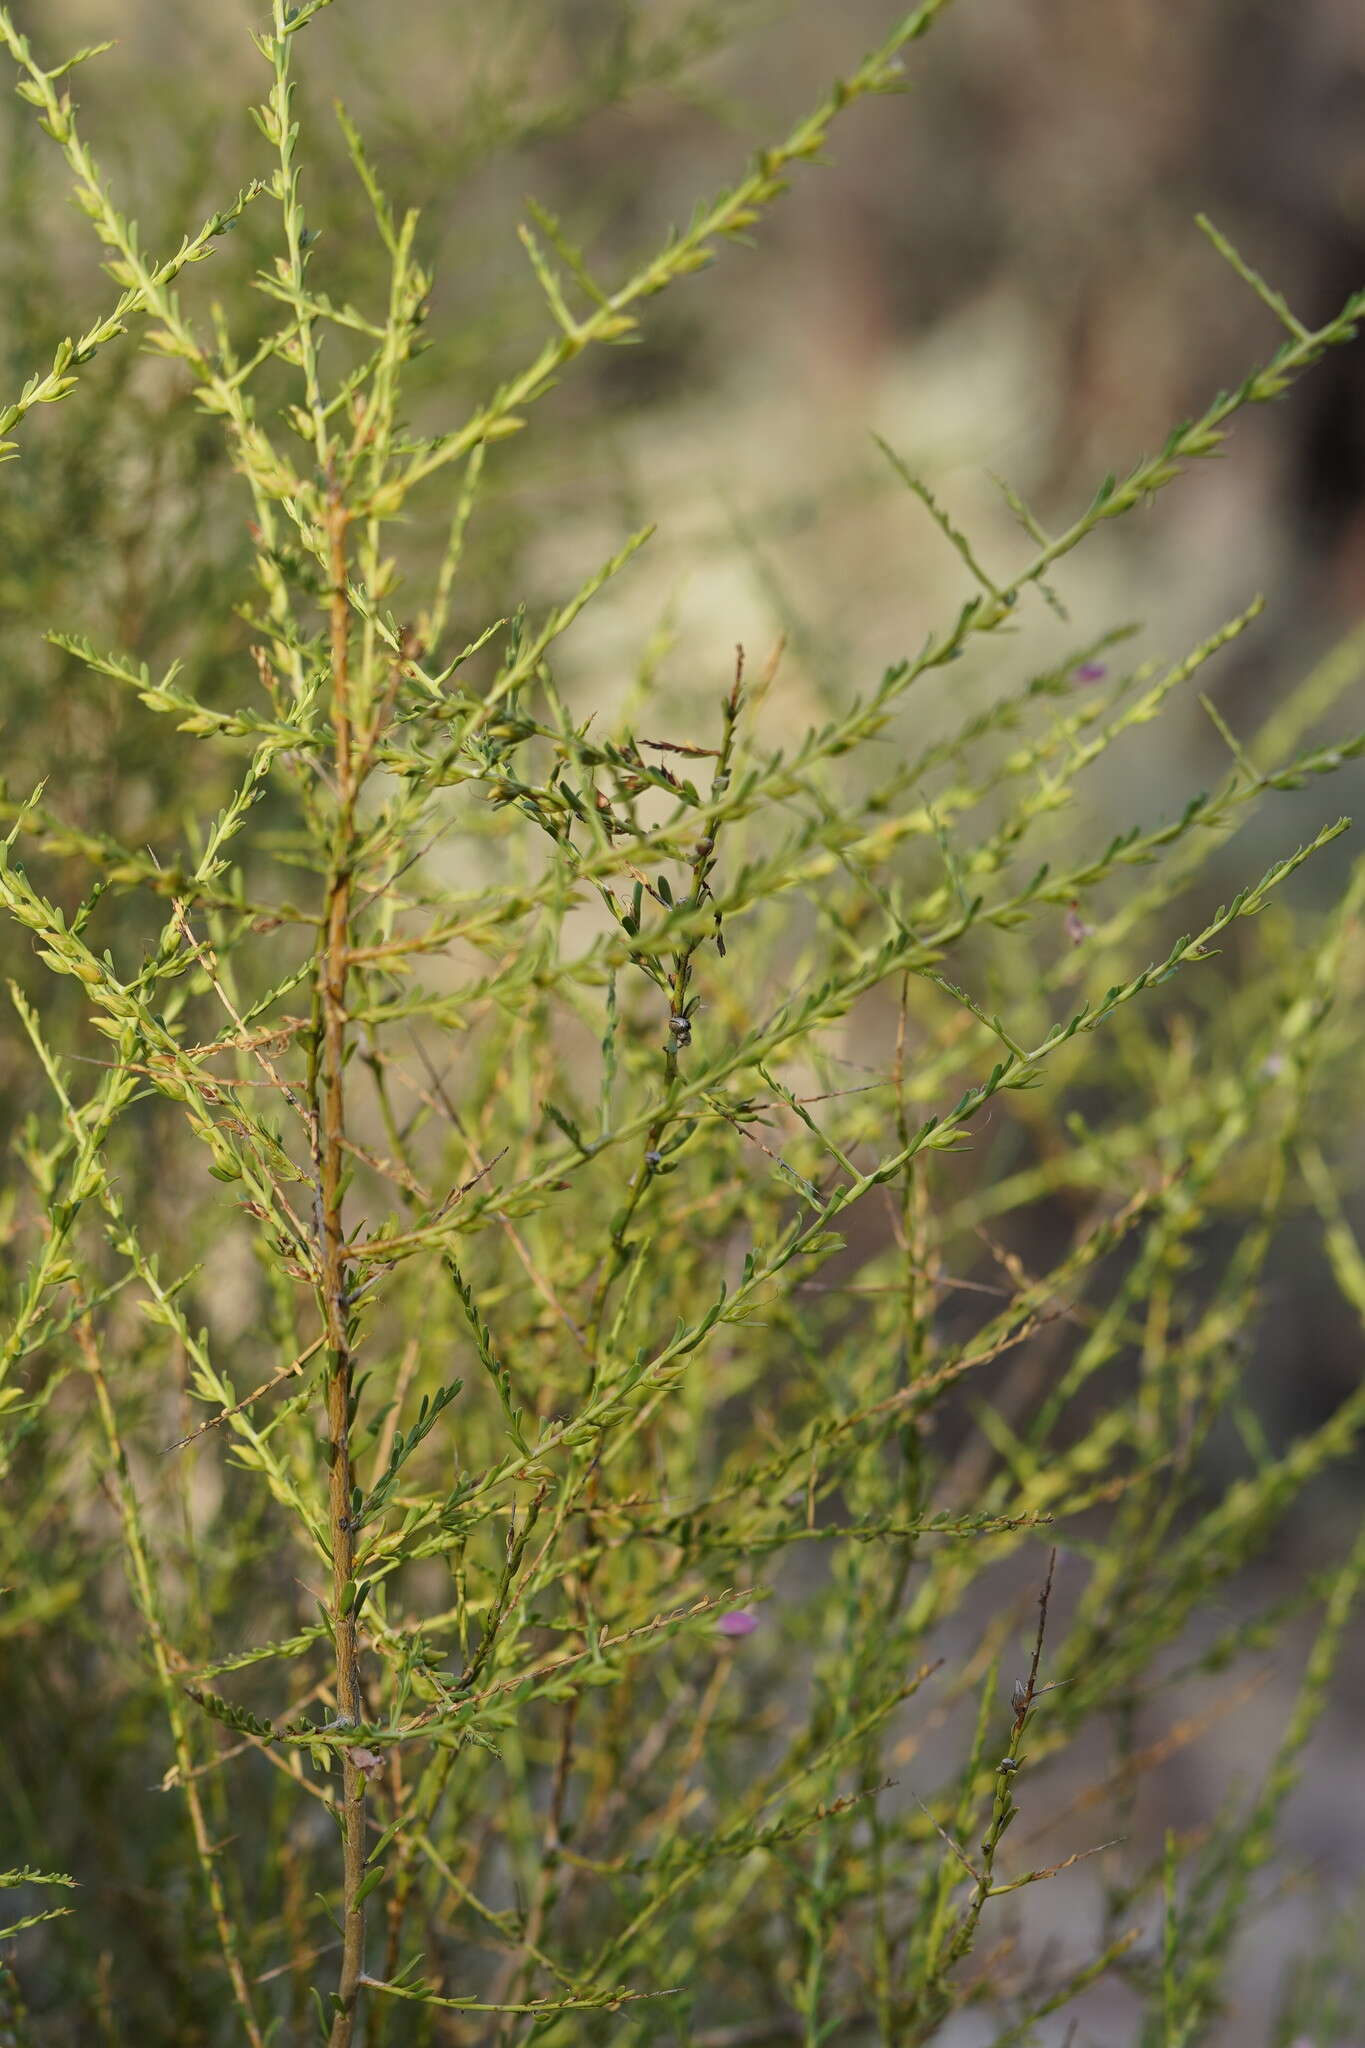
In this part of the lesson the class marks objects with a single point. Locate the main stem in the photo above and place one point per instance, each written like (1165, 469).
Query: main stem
(336, 1312)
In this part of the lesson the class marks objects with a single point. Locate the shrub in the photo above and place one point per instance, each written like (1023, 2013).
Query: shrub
(631, 1557)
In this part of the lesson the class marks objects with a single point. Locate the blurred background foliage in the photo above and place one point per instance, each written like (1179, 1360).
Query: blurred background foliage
(998, 272)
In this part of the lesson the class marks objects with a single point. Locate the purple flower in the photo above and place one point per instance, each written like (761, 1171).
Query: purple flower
(1090, 672)
(741, 1621)
(1076, 927)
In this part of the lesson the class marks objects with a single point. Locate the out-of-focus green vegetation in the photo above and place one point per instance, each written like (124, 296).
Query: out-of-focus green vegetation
(637, 1282)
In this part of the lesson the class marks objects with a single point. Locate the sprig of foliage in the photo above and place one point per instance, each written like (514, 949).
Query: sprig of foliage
(639, 1458)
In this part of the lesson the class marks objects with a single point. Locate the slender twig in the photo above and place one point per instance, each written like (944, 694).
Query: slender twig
(328, 1078)
(143, 1578)
(288, 1372)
